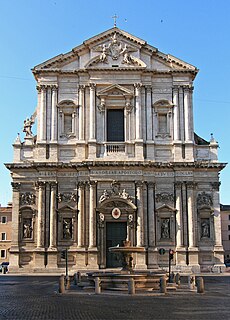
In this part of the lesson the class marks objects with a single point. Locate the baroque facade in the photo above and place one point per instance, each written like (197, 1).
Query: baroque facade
(115, 157)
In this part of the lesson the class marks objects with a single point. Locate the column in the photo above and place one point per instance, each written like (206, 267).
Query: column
(186, 113)
(53, 186)
(92, 111)
(179, 219)
(41, 193)
(151, 213)
(149, 118)
(181, 108)
(140, 214)
(81, 112)
(15, 215)
(54, 113)
(48, 113)
(81, 212)
(217, 218)
(43, 114)
(191, 218)
(92, 220)
(138, 111)
(176, 114)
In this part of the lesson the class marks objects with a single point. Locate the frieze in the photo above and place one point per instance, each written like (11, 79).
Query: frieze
(27, 198)
(204, 199)
(116, 172)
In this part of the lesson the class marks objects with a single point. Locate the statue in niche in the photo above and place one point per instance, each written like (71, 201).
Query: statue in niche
(205, 228)
(165, 229)
(27, 126)
(67, 228)
(103, 55)
(27, 228)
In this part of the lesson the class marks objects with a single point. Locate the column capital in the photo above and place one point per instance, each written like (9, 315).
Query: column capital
(16, 186)
(40, 184)
(81, 184)
(54, 87)
(92, 86)
(178, 184)
(151, 184)
(148, 88)
(215, 185)
(137, 85)
(81, 87)
(139, 183)
(53, 184)
(92, 183)
(191, 184)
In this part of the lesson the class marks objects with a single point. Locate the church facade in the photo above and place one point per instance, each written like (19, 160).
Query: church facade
(114, 158)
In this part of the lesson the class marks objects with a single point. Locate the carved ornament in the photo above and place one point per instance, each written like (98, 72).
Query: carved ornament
(67, 197)
(204, 199)
(27, 198)
(164, 197)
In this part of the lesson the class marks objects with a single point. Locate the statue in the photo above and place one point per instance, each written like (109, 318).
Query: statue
(27, 229)
(165, 229)
(27, 126)
(205, 233)
(104, 196)
(67, 229)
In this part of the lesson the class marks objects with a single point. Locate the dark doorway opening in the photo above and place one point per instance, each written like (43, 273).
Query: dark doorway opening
(116, 233)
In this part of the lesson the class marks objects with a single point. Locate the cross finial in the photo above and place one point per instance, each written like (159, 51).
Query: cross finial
(115, 20)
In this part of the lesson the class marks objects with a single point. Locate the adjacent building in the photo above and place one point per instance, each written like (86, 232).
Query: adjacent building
(115, 157)
(225, 226)
(5, 232)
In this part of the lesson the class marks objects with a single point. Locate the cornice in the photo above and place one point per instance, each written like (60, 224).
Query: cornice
(144, 164)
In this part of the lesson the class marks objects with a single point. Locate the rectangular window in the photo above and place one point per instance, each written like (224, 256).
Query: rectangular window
(228, 227)
(229, 237)
(3, 254)
(162, 123)
(115, 125)
(3, 220)
(3, 236)
(229, 217)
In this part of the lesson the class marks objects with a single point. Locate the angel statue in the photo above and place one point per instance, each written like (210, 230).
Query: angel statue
(27, 126)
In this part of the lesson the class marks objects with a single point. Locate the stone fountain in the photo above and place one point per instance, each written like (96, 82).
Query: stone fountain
(118, 280)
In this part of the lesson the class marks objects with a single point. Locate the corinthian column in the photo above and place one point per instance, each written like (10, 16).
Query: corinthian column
(179, 219)
(217, 218)
(186, 114)
(92, 220)
(81, 112)
(149, 119)
(151, 213)
(41, 191)
(43, 114)
(15, 211)
(54, 114)
(81, 205)
(92, 111)
(53, 186)
(191, 215)
(140, 214)
(138, 111)
(176, 114)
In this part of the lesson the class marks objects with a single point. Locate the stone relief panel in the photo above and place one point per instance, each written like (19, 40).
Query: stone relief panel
(164, 197)
(115, 50)
(205, 228)
(204, 199)
(165, 228)
(67, 197)
(27, 198)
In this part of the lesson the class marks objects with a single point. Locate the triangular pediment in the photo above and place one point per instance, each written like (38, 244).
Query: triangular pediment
(165, 207)
(114, 49)
(115, 90)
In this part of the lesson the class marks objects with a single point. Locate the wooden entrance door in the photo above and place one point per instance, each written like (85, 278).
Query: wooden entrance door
(116, 233)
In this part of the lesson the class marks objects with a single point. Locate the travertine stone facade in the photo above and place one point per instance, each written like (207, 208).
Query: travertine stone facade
(115, 156)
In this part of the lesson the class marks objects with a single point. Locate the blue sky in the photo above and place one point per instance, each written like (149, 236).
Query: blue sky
(197, 32)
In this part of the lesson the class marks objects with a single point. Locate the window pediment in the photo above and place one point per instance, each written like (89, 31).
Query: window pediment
(115, 91)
